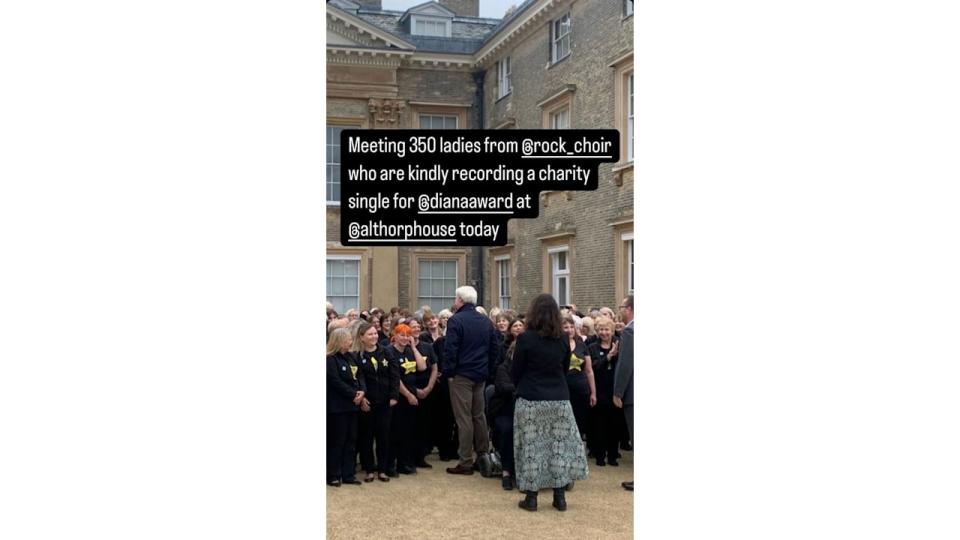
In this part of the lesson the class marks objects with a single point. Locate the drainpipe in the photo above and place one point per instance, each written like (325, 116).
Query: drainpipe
(478, 78)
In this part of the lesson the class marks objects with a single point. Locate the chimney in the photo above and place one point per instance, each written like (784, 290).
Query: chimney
(463, 8)
(370, 4)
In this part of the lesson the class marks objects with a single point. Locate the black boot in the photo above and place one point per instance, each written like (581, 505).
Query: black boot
(529, 503)
(559, 501)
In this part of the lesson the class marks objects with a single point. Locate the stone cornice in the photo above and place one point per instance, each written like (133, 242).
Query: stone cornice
(367, 57)
(533, 16)
(367, 28)
(339, 27)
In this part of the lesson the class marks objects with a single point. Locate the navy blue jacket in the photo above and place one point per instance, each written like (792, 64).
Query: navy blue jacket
(471, 345)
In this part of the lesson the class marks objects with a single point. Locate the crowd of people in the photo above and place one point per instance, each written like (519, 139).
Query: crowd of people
(549, 388)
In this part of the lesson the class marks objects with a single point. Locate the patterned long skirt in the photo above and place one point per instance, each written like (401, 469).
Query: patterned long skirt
(547, 447)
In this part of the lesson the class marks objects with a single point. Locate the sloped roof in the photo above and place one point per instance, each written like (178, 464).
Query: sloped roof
(469, 33)
(426, 7)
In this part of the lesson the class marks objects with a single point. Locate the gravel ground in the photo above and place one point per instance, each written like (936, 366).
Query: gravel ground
(433, 504)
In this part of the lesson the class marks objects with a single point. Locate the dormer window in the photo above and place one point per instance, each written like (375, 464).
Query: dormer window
(430, 27)
(429, 19)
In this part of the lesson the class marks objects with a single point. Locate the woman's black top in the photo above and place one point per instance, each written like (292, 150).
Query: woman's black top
(576, 373)
(426, 350)
(383, 382)
(407, 365)
(344, 379)
(590, 341)
(438, 351)
(604, 367)
(502, 402)
(539, 368)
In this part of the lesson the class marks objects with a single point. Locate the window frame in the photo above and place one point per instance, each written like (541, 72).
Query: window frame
(328, 190)
(342, 123)
(428, 300)
(504, 82)
(624, 122)
(630, 116)
(556, 273)
(556, 114)
(429, 20)
(419, 254)
(438, 109)
(626, 239)
(499, 261)
(345, 257)
(445, 116)
(624, 268)
(556, 39)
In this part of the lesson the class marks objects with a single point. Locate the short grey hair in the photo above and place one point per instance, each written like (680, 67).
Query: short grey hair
(468, 294)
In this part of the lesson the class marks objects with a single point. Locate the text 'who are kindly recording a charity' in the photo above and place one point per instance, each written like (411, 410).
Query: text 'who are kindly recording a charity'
(458, 187)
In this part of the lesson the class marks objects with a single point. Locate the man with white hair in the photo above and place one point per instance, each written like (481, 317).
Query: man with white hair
(471, 347)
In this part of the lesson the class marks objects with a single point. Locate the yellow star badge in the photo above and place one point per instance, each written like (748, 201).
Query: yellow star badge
(576, 364)
(409, 366)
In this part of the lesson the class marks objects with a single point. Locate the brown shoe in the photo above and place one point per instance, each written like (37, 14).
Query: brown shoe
(460, 469)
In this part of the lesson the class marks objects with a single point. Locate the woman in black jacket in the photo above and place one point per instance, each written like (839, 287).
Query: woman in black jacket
(606, 418)
(501, 413)
(383, 381)
(426, 383)
(547, 448)
(402, 457)
(583, 389)
(345, 391)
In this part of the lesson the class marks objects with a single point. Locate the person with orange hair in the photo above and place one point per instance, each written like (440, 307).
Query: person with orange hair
(402, 457)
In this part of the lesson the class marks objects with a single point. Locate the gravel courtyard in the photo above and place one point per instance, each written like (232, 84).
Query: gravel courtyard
(434, 504)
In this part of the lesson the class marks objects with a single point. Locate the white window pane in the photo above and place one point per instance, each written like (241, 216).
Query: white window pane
(562, 260)
(351, 268)
(424, 269)
(336, 286)
(423, 285)
(350, 286)
(450, 270)
(450, 122)
(334, 268)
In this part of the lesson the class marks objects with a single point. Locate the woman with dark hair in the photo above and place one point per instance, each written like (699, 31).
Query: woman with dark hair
(345, 393)
(383, 392)
(386, 327)
(548, 451)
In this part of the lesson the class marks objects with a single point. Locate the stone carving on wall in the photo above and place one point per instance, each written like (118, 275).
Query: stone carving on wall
(386, 113)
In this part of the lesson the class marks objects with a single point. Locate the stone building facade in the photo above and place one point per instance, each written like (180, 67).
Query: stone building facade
(547, 64)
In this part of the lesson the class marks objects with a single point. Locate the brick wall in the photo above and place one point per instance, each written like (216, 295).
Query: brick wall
(600, 35)
(435, 85)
